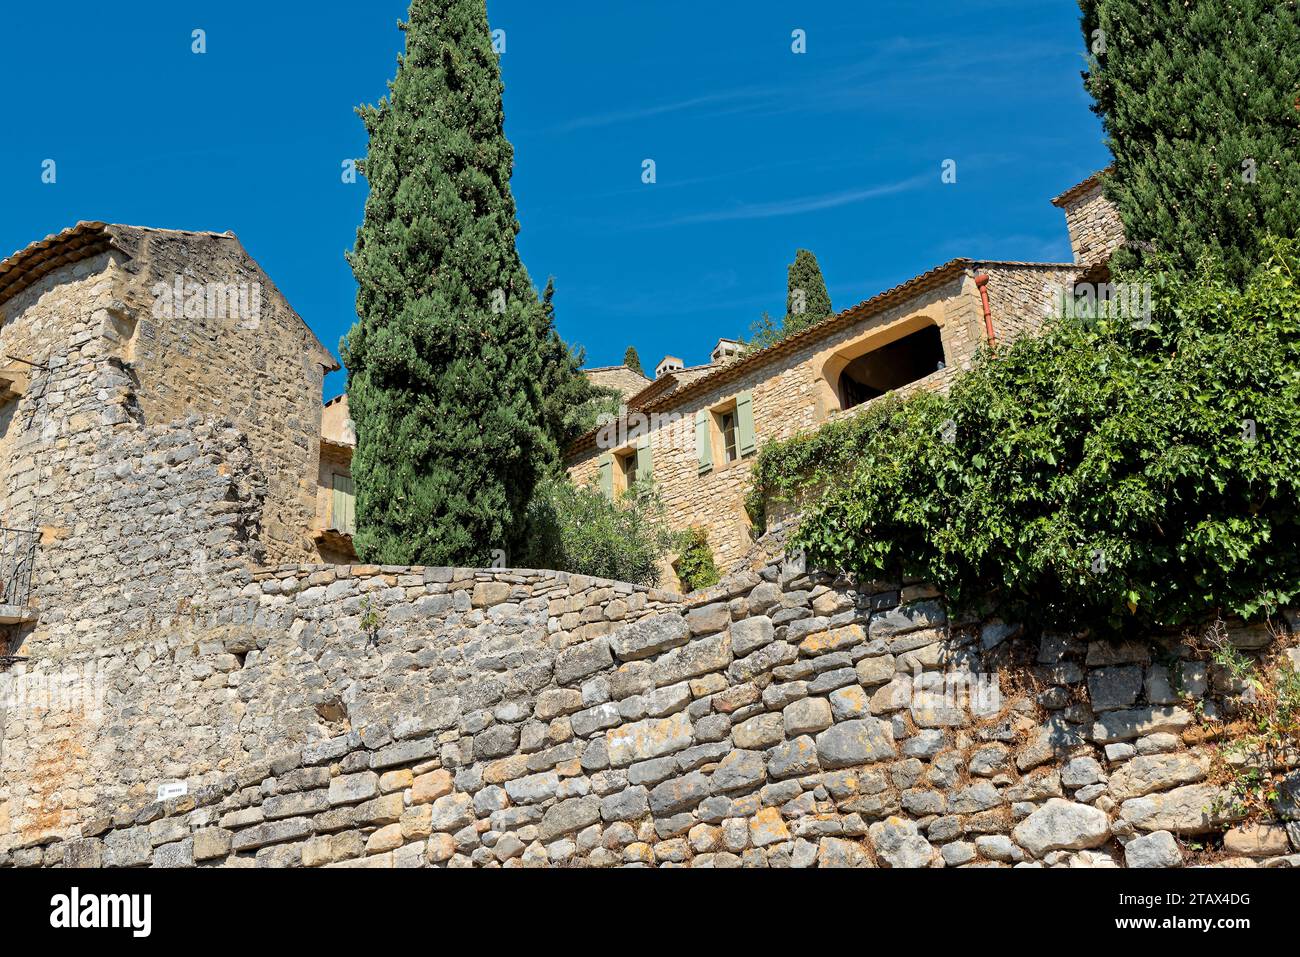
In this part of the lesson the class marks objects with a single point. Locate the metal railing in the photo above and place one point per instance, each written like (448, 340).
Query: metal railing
(17, 556)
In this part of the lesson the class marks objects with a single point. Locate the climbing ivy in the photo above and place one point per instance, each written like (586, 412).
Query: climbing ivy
(1117, 473)
(695, 565)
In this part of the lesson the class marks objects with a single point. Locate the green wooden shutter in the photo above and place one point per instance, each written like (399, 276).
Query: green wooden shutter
(745, 422)
(644, 459)
(703, 441)
(345, 504)
(607, 474)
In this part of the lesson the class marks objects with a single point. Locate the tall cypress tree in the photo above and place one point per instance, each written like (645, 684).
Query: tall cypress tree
(806, 300)
(1199, 100)
(445, 360)
(632, 360)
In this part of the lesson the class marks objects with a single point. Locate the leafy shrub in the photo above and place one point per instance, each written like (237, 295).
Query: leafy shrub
(1256, 760)
(578, 529)
(695, 566)
(1109, 474)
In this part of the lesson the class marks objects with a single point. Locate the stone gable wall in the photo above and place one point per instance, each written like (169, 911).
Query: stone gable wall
(1095, 227)
(263, 374)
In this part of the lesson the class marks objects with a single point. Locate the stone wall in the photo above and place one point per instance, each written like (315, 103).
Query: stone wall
(380, 717)
(1094, 222)
(1022, 296)
(261, 371)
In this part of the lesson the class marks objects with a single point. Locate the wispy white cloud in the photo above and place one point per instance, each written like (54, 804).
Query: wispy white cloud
(798, 205)
(726, 98)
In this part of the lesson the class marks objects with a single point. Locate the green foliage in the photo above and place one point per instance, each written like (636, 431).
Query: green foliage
(1194, 97)
(633, 361)
(763, 333)
(695, 566)
(461, 391)
(806, 302)
(570, 403)
(578, 529)
(1268, 719)
(1110, 474)
(806, 299)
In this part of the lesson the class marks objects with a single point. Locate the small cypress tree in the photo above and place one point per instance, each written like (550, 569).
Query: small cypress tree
(806, 300)
(1199, 100)
(633, 361)
(445, 360)
(570, 402)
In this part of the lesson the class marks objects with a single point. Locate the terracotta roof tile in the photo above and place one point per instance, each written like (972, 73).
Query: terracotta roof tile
(1083, 187)
(26, 267)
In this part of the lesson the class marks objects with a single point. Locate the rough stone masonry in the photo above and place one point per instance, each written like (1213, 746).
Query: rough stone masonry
(408, 717)
(178, 702)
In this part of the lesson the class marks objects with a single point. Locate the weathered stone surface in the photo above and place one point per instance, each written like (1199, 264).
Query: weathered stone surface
(766, 827)
(1192, 809)
(760, 732)
(838, 852)
(807, 716)
(750, 634)
(649, 637)
(1157, 849)
(427, 788)
(1126, 725)
(898, 844)
(855, 742)
(1256, 840)
(793, 758)
(452, 812)
(1158, 772)
(630, 804)
(740, 770)
(907, 618)
(1114, 687)
(578, 662)
(699, 657)
(833, 639)
(565, 817)
(708, 618)
(679, 794)
(297, 804)
(1062, 825)
(272, 832)
(651, 738)
(211, 843)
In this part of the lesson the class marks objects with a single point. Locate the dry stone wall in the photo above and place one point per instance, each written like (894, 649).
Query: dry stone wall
(381, 717)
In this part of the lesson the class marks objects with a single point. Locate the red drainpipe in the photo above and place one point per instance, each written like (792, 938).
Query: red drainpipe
(982, 282)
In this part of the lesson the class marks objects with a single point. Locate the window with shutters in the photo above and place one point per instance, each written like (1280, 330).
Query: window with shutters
(625, 476)
(621, 470)
(343, 510)
(725, 433)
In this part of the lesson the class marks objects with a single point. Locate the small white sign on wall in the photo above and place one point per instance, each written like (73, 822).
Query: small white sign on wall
(172, 789)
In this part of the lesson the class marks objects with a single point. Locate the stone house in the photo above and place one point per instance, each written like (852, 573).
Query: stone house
(696, 430)
(335, 494)
(627, 382)
(188, 327)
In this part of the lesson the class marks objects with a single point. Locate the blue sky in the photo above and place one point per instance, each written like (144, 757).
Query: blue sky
(758, 150)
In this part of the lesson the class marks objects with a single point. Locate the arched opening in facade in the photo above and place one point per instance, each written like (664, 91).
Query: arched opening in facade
(872, 374)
